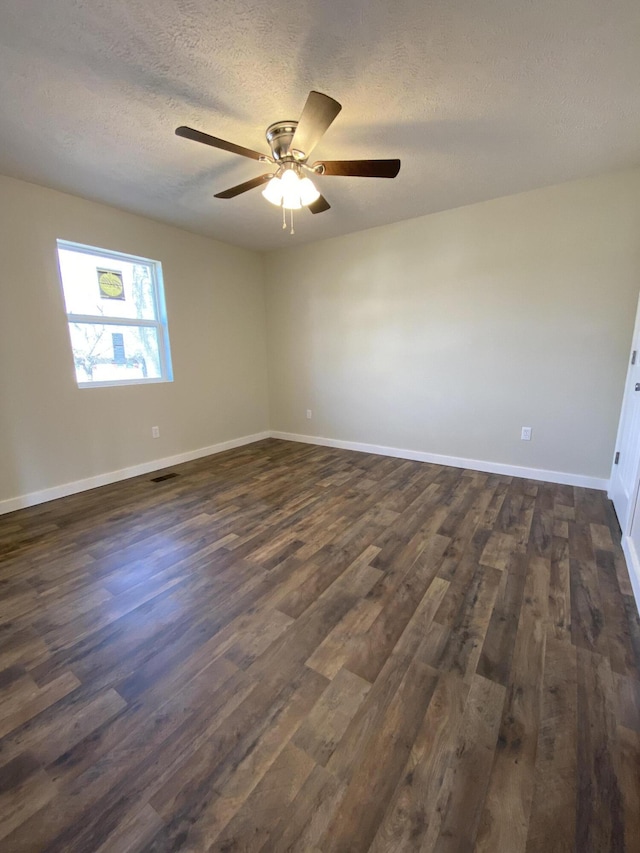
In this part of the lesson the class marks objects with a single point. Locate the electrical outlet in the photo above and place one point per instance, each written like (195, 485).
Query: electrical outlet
(308, 414)
(155, 432)
(525, 435)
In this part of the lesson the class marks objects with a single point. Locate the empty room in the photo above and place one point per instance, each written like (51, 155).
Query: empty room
(319, 426)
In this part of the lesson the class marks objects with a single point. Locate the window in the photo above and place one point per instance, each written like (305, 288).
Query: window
(117, 317)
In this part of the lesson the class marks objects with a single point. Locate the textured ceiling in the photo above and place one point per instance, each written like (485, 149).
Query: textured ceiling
(479, 98)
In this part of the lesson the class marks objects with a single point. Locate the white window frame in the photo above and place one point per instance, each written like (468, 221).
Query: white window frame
(160, 324)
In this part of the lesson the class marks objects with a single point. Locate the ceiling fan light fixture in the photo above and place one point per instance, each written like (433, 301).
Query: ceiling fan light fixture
(291, 191)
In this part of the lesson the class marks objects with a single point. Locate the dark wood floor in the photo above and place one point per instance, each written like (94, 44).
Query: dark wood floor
(288, 647)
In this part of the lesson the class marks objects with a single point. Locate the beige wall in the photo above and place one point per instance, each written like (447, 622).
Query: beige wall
(448, 333)
(51, 432)
(443, 334)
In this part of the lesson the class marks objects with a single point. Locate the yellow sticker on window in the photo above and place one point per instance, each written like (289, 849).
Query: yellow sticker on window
(110, 283)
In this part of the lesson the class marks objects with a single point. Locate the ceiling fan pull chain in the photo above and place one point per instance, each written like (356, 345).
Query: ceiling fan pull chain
(284, 219)
(292, 231)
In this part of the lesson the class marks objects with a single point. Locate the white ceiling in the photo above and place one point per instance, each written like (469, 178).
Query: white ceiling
(479, 98)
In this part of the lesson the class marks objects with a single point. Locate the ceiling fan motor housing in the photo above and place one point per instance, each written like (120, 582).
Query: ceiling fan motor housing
(279, 136)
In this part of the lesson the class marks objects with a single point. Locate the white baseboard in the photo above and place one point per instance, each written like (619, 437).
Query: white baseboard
(454, 461)
(33, 498)
(65, 489)
(633, 565)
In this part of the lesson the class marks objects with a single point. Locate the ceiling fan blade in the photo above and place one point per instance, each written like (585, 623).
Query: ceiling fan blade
(206, 139)
(360, 168)
(319, 205)
(242, 188)
(317, 115)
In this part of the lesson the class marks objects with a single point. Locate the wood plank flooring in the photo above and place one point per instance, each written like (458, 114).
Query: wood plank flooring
(295, 648)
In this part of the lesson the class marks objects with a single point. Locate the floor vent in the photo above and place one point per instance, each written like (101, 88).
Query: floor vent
(163, 477)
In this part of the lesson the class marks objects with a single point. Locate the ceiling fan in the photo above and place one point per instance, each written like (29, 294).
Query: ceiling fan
(291, 143)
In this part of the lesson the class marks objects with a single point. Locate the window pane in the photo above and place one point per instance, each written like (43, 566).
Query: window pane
(106, 353)
(107, 285)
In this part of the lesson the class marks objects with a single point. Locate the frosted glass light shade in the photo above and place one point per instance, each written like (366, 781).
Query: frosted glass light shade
(308, 192)
(290, 190)
(273, 191)
(291, 201)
